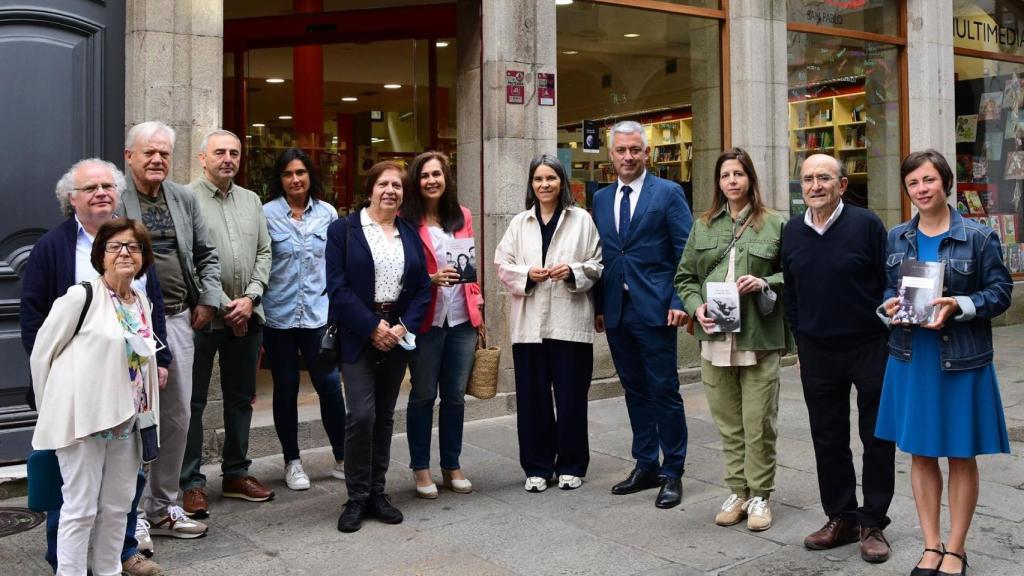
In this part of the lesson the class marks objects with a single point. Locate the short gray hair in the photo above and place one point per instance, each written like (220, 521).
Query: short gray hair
(147, 130)
(65, 189)
(218, 132)
(629, 127)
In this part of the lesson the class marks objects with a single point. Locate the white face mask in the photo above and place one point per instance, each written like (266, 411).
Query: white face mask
(144, 347)
(408, 341)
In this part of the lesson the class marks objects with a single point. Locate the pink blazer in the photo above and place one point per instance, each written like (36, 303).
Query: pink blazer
(472, 290)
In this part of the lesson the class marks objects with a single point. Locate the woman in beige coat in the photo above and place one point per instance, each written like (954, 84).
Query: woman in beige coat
(92, 386)
(548, 261)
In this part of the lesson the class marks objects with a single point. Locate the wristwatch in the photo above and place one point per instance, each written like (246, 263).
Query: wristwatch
(256, 299)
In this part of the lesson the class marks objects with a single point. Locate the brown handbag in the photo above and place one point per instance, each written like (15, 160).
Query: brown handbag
(483, 380)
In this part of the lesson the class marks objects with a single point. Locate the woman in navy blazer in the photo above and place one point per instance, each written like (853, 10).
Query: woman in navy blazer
(378, 286)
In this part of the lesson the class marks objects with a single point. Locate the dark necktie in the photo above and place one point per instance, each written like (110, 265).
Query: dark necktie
(624, 212)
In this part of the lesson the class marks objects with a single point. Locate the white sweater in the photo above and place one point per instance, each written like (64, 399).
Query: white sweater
(81, 382)
(554, 310)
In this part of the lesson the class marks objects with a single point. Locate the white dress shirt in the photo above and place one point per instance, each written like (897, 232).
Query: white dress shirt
(388, 259)
(809, 220)
(634, 195)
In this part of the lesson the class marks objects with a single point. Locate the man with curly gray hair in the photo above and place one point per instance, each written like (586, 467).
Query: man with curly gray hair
(89, 194)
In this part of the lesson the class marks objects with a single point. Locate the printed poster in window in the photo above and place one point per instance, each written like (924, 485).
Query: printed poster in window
(461, 254)
(966, 128)
(990, 106)
(994, 144)
(1011, 93)
(1015, 165)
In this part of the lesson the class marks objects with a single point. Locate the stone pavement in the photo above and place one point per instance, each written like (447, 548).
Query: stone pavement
(500, 529)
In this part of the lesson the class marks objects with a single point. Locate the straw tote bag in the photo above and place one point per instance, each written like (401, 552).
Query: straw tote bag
(483, 380)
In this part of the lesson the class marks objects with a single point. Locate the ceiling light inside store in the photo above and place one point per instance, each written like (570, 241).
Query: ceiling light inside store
(631, 35)
(571, 52)
(392, 86)
(441, 44)
(377, 140)
(563, 2)
(350, 99)
(275, 80)
(258, 125)
(284, 117)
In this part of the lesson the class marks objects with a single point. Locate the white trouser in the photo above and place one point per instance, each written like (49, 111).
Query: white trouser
(99, 485)
(175, 412)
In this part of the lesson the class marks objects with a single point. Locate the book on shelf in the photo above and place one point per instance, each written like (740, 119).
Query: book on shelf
(723, 299)
(1009, 223)
(973, 200)
(857, 114)
(920, 284)
(966, 128)
(990, 106)
(856, 164)
(964, 168)
(1013, 258)
(979, 167)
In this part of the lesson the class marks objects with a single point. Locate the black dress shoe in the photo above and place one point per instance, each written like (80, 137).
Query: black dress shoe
(352, 515)
(636, 481)
(382, 509)
(671, 493)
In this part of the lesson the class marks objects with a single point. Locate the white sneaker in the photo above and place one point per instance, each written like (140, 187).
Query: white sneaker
(759, 515)
(535, 484)
(142, 535)
(177, 525)
(568, 482)
(339, 470)
(295, 477)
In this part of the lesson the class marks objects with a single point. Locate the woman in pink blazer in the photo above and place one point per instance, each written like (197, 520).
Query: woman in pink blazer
(447, 338)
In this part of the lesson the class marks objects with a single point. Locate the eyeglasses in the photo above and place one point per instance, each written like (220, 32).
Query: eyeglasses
(822, 179)
(106, 186)
(115, 247)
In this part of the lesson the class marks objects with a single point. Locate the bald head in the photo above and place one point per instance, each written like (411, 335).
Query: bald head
(822, 182)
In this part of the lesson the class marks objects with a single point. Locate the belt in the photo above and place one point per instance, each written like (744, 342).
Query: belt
(173, 309)
(383, 307)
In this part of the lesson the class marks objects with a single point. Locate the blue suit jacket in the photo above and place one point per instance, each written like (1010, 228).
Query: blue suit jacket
(350, 280)
(646, 259)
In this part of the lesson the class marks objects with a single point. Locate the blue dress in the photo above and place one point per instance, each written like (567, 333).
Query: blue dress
(929, 412)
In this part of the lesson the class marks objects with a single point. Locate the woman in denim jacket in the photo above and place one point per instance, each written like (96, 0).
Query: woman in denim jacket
(740, 370)
(940, 397)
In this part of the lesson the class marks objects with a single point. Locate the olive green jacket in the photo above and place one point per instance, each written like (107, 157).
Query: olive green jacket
(759, 253)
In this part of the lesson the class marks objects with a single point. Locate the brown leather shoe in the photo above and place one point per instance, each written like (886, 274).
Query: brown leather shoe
(247, 488)
(874, 547)
(835, 532)
(195, 503)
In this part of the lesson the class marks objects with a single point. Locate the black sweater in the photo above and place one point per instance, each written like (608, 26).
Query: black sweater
(833, 283)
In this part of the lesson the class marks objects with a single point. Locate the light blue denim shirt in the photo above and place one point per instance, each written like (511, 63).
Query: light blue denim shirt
(295, 297)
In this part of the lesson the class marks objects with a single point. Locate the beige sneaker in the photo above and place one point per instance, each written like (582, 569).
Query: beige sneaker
(139, 565)
(732, 512)
(759, 514)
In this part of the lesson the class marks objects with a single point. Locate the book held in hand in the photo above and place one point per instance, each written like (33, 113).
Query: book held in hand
(920, 283)
(723, 300)
(461, 253)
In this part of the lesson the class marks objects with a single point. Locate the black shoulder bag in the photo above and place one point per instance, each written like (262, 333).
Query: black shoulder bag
(327, 354)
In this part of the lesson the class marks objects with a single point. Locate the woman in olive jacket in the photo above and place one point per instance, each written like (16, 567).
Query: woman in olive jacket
(738, 241)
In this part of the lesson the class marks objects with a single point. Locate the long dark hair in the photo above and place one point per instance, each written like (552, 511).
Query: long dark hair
(448, 210)
(757, 207)
(275, 187)
(564, 193)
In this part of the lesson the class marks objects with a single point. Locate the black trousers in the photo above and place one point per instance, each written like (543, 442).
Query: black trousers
(549, 446)
(827, 373)
(371, 390)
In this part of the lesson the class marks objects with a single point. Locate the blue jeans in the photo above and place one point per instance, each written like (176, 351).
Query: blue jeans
(442, 362)
(283, 348)
(131, 545)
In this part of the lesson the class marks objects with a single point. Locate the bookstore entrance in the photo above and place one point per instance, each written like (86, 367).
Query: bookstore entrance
(351, 83)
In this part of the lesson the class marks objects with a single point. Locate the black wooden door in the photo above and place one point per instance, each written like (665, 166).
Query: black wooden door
(62, 99)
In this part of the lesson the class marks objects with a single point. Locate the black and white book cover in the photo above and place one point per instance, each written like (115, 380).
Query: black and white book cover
(461, 253)
(723, 300)
(920, 283)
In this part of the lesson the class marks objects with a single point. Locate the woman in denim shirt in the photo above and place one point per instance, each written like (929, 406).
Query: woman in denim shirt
(295, 305)
(940, 398)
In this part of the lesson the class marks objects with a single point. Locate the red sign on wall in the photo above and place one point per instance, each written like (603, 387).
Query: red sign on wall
(515, 86)
(545, 88)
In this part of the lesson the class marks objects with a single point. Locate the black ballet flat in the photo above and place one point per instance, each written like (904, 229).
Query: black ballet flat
(918, 571)
(963, 567)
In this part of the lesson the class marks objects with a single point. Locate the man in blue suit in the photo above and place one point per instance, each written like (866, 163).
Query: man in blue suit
(644, 222)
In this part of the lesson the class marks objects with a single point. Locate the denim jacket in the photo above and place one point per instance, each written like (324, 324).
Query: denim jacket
(974, 275)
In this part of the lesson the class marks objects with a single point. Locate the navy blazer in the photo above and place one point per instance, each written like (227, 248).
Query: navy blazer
(50, 271)
(350, 283)
(646, 259)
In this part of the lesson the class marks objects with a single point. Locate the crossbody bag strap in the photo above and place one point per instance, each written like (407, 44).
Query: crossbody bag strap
(85, 308)
(729, 248)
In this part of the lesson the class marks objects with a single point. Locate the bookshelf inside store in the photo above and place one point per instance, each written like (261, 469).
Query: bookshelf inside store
(833, 125)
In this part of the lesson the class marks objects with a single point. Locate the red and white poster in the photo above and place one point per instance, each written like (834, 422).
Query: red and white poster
(545, 88)
(515, 86)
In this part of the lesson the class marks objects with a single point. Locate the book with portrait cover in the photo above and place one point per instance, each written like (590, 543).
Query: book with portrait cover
(966, 128)
(920, 283)
(990, 106)
(461, 253)
(723, 300)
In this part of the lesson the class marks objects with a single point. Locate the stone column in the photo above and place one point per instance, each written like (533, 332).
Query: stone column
(930, 79)
(517, 36)
(759, 85)
(174, 72)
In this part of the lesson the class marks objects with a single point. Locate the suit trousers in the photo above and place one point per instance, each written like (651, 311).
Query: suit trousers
(238, 357)
(744, 401)
(99, 480)
(550, 445)
(175, 415)
(371, 390)
(827, 374)
(645, 359)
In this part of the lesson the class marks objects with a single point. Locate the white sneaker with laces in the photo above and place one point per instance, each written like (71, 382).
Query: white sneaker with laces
(759, 514)
(339, 470)
(295, 477)
(145, 546)
(178, 525)
(569, 482)
(536, 484)
(733, 511)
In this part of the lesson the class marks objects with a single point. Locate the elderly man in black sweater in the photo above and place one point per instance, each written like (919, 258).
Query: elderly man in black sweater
(833, 260)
